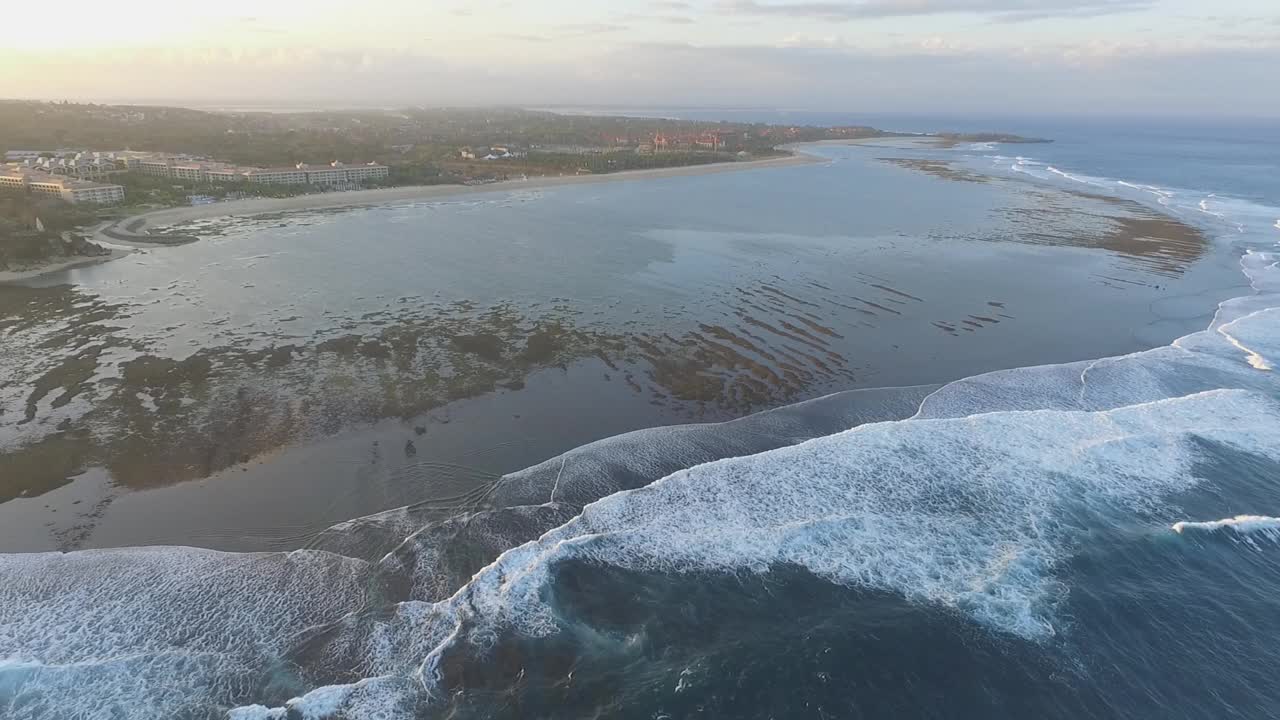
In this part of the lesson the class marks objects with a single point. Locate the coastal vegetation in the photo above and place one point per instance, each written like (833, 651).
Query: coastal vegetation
(149, 191)
(38, 230)
(390, 137)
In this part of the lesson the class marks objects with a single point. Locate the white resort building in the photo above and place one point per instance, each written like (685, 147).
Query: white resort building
(335, 173)
(87, 165)
(276, 176)
(70, 189)
(339, 174)
(191, 169)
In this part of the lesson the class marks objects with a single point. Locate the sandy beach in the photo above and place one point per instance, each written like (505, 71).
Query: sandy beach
(135, 228)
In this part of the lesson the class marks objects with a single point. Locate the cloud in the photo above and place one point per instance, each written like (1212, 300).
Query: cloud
(579, 29)
(523, 37)
(919, 74)
(1002, 10)
(664, 19)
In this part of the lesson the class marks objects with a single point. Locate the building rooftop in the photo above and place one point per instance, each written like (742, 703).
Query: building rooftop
(44, 177)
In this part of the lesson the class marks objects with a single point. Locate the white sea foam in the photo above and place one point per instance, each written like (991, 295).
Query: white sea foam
(257, 712)
(1084, 179)
(1027, 166)
(1242, 524)
(969, 514)
(1240, 216)
(1204, 207)
(1253, 335)
(156, 632)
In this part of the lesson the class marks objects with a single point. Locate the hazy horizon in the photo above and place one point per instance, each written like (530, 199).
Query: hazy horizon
(839, 115)
(1088, 57)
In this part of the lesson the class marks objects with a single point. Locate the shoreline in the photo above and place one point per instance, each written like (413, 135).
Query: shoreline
(140, 225)
(17, 276)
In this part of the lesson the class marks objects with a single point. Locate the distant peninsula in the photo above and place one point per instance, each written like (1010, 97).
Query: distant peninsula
(988, 137)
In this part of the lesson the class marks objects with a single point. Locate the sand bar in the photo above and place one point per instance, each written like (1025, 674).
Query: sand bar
(16, 276)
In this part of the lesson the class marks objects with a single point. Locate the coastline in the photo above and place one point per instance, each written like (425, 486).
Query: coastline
(17, 276)
(140, 225)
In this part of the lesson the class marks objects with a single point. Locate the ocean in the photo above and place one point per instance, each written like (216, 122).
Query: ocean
(990, 430)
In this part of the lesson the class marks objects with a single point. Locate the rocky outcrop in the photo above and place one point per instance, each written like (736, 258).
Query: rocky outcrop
(29, 249)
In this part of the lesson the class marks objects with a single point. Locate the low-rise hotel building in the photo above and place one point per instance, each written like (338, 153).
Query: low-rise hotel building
(332, 174)
(277, 176)
(92, 165)
(69, 189)
(190, 169)
(339, 174)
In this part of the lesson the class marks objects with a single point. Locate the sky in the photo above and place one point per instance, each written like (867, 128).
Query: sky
(1135, 57)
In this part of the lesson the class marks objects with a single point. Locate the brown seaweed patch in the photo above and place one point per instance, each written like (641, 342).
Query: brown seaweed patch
(71, 376)
(819, 328)
(779, 293)
(899, 293)
(345, 345)
(487, 345)
(863, 311)
(166, 420)
(937, 168)
(875, 305)
(780, 333)
(729, 336)
(686, 379)
(802, 332)
(1151, 241)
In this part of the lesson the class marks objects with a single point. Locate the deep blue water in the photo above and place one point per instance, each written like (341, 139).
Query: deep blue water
(1232, 157)
(1093, 539)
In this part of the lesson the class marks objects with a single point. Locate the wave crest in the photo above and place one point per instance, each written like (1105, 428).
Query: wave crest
(1242, 524)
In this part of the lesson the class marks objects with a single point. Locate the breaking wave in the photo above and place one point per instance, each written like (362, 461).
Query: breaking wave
(1242, 524)
(1238, 216)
